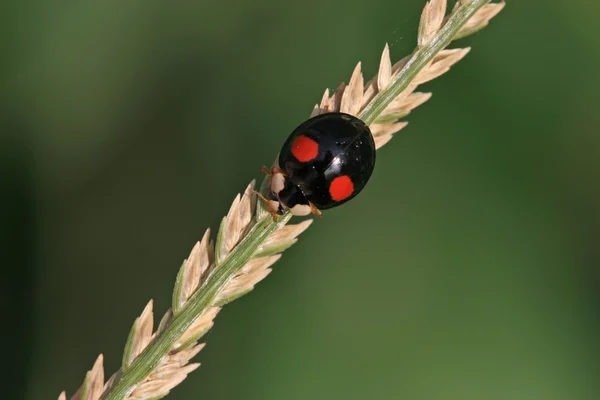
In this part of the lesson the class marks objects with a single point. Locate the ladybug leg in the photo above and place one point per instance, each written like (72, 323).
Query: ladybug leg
(315, 210)
(271, 205)
(266, 171)
(272, 171)
(259, 194)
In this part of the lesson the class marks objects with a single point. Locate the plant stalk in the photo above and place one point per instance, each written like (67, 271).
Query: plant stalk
(420, 59)
(243, 252)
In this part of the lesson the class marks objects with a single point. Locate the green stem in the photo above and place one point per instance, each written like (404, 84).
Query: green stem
(420, 59)
(159, 348)
(243, 252)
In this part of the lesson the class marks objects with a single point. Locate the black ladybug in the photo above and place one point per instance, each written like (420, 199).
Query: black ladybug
(325, 162)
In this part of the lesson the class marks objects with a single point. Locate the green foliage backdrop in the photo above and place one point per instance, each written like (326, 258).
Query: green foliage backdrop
(468, 269)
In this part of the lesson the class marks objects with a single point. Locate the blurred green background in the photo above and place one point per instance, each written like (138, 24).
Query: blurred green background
(467, 269)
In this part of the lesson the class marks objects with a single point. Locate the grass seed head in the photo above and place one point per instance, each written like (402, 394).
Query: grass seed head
(207, 256)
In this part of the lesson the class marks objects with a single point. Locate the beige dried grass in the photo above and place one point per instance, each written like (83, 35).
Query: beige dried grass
(204, 285)
(354, 97)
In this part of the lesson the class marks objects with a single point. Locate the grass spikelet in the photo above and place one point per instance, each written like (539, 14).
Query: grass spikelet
(384, 75)
(282, 238)
(237, 220)
(433, 18)
(249, 241)
(139, 337)
(431, 21)
(352, 96)
(193, 271)
(159, 383)
(197, 329)
(480, 20)
(93, 384)
(253, 272)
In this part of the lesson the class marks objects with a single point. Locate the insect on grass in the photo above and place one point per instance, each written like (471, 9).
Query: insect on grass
(249, 240)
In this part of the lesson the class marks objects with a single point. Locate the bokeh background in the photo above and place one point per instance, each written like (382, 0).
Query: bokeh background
(467, 269)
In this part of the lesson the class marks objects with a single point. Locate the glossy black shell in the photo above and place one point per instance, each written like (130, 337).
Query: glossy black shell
(346, 147)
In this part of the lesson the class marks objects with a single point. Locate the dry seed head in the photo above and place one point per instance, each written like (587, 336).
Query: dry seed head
(140, 336)
(173, 369)
(440, 65)
(403, 105)
(231, 228)
(284, 235)
(159, 383)
(481, 18)
(256, 265)
(386, 125)
(253, 272)
(325, 99)
(336, 99)
(199, 327)
(237, 222)
(352, 99)
(384, 132)
(196, 268)
(206, 256)
(184, 356)
(431, 21)
(93, 384)
(384, 76)
(144, 332)
(96, 380)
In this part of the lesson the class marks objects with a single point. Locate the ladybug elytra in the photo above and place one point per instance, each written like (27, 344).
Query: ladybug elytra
(325, 162)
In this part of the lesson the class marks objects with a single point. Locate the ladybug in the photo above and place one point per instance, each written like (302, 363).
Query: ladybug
(325, 162)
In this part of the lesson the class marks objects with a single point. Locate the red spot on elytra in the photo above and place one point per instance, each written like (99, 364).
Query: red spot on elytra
(305, 149)
(341, 188)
